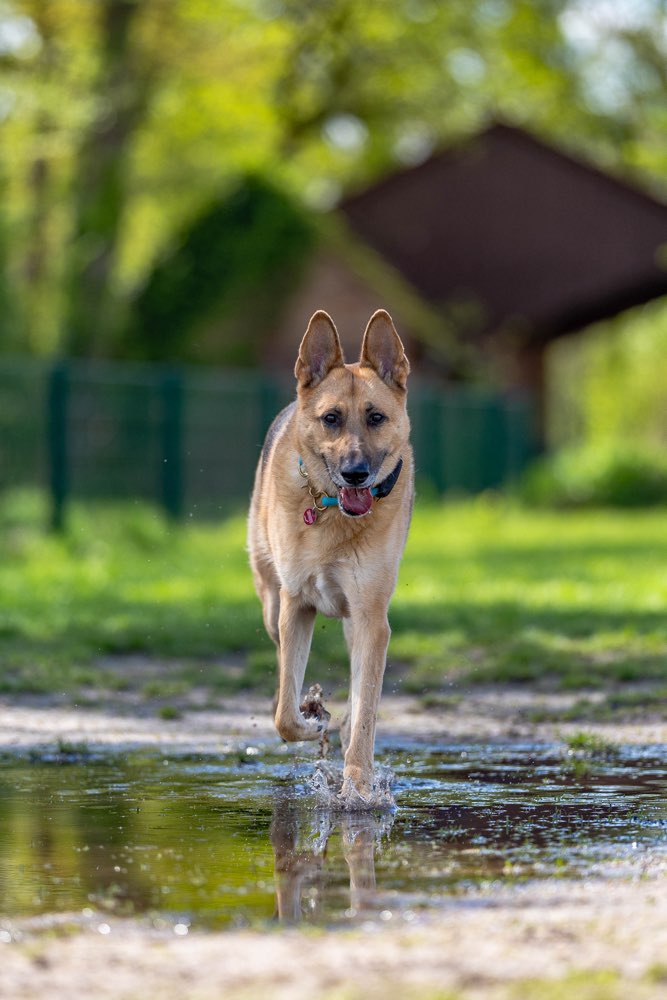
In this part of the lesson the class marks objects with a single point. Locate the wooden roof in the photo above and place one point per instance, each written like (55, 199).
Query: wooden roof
(542, 243)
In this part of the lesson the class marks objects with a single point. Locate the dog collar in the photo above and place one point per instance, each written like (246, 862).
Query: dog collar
(322, 501)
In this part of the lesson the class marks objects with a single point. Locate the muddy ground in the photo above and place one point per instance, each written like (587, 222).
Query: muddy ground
(604, 937)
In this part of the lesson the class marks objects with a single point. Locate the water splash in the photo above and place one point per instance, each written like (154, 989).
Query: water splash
(333, 792)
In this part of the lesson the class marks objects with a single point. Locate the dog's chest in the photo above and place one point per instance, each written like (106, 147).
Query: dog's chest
(322, 590)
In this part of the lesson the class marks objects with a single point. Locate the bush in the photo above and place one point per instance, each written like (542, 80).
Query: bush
(221, 285)
(608, 383)
(608, 476)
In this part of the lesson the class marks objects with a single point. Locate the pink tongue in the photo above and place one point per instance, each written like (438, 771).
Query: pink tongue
(356, 501)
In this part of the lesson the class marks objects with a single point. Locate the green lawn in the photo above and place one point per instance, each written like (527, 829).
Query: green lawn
(487, 591)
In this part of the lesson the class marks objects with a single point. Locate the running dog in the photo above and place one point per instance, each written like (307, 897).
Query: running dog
(328, 521)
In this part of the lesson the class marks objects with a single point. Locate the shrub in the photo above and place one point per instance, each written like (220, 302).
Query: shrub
(609, 476)
(223, 280)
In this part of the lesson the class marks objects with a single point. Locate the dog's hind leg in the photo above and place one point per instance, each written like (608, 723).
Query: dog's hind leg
(271, 614)
(271, 610)
(295, 627)
(345, 724)
(268, 590)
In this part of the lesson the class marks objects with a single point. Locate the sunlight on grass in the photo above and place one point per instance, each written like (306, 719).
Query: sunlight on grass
(487, 591)
(506, 594)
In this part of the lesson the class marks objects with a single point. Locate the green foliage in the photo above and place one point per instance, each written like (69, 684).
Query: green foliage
(614, 475)
(122, 119)
(170, 713)
(608, 416)
(225, 276)
(7, 305)
(608, 385)
(592, 746)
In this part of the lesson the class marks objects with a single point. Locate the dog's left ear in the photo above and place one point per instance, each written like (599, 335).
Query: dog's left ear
(383, 351)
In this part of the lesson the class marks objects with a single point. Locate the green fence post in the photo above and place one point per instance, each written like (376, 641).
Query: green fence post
(493, 463)
(438, 444)
(57, 442)
(173, 478)
(269, 404)
(429, 446)
(516, 438)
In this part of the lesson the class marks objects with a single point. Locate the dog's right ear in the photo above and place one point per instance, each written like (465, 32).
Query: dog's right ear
(320, 351)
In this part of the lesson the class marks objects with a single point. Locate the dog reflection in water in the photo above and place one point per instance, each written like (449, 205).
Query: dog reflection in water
(300, 839)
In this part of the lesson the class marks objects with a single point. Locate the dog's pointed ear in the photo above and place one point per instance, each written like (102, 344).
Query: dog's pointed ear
(320, 350)
(383, 351)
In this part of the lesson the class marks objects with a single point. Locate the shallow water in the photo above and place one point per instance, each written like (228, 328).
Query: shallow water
(239, 838)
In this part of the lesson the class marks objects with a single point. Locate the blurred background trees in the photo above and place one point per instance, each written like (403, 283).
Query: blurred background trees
(127, 125)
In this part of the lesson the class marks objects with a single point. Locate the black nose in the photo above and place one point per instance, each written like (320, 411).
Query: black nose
(355, 475)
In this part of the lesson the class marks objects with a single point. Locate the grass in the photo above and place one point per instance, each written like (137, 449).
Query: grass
(631, 704)
(585, 984)
(585, 752)
(582, 985)
(488, 592)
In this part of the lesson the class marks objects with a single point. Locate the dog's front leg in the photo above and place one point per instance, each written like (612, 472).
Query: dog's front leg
(295, 627)
(359, 851)
(368, 638)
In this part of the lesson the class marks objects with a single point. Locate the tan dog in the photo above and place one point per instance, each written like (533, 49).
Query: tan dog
(328, 522)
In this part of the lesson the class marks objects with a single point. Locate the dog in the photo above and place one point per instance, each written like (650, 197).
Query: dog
(328, 521)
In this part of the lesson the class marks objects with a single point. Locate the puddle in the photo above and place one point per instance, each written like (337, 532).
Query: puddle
(236, 839)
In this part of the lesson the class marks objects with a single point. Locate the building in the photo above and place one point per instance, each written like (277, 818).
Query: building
(485, 254)
(516, 244)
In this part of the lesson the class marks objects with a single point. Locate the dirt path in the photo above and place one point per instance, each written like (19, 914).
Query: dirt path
(599, 938)
(475, 716)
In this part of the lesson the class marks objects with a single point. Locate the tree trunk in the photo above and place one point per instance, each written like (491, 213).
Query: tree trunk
(121, 95)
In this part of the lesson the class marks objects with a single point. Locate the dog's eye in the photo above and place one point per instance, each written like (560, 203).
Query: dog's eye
(375, 419)
(331, 419)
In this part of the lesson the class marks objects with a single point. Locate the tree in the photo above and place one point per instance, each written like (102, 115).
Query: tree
(237, 260)
(124, 118)
(119, 93)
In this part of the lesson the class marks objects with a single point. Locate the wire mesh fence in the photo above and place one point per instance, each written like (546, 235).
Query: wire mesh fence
(189, 439)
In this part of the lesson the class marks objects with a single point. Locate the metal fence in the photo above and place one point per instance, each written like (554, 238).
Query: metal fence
(189, 439)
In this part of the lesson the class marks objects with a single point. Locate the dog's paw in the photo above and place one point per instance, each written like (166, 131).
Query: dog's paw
(360, 778)
(360, 792)
(340, 793)
(294, 729)
(352, 799)
(312, 706)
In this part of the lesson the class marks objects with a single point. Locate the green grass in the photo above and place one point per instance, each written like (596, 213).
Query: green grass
(631, 704)
(487, 592)
(584, 984)
(497, 593)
